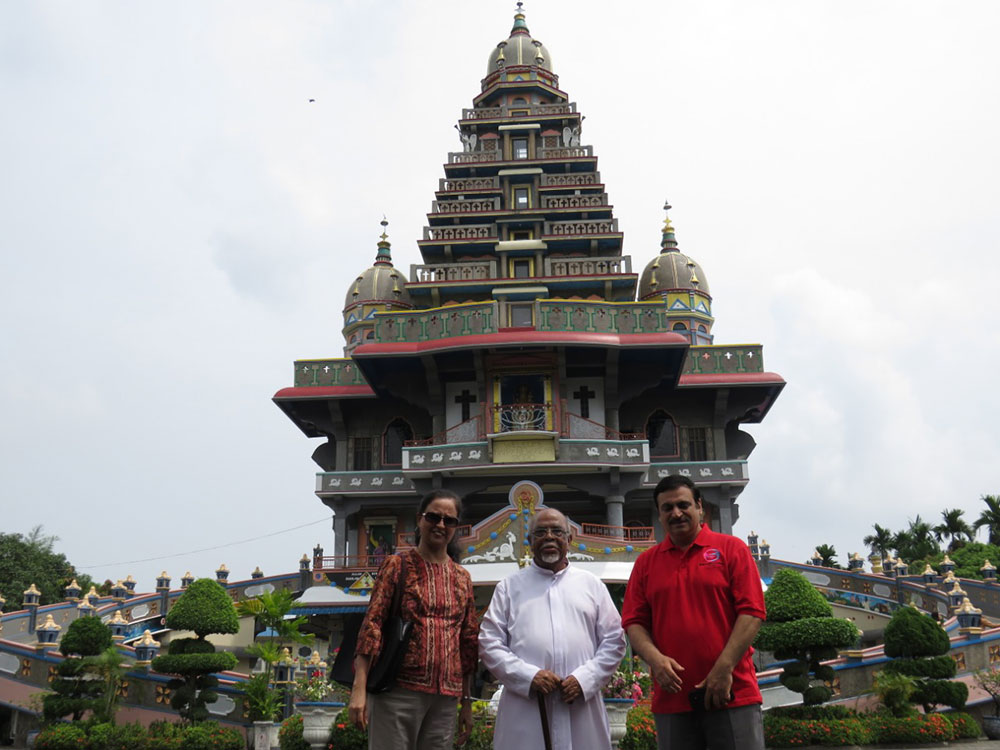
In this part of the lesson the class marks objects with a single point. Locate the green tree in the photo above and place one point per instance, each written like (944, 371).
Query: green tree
(954, 528)
(917, 541)
(800, 626)
(880, 542)
(990, 518)
(31, 559)
(204, 608)
(919, 649)
(82, 681)
(270, 610)
(828, 556)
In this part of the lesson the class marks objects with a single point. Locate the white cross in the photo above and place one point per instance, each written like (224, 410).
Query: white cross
(326, 368)
(729, 355)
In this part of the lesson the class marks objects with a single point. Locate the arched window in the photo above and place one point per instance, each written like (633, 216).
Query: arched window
(397, 432)
(680, 327)
(662, 434)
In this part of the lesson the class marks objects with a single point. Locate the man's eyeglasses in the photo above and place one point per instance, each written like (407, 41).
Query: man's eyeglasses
(435, 518)
(544, 532)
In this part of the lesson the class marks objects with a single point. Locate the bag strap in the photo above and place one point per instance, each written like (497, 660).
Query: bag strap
(397, 595)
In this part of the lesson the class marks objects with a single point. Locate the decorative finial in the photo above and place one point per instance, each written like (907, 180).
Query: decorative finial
(383, 256)
(520, 27)
(668, 242)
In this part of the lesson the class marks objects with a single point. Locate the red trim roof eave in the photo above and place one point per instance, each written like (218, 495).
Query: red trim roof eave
(694, 380)
(299, 393)
(521, 338)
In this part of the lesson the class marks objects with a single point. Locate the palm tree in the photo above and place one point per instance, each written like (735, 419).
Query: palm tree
(880, 542)
(953, 527)
(917, 541)
(828, 556)
(990, 518)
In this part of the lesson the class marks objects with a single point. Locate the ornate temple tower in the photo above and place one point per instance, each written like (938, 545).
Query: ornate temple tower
(523, 361)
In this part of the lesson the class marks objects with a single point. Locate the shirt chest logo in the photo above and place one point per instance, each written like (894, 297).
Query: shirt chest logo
(711, 555)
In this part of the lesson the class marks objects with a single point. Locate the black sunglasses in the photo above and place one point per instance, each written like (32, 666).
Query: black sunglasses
(435, 518)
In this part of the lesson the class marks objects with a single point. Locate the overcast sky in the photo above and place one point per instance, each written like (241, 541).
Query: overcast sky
(178, 223)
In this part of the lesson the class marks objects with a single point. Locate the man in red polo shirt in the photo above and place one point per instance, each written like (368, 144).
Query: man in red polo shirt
(693, 605)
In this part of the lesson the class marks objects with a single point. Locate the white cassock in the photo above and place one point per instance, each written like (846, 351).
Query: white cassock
(564, 622)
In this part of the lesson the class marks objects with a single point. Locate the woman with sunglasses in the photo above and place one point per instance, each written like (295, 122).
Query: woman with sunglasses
(419, 712)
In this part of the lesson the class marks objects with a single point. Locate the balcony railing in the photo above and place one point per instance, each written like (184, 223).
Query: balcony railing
(456, 184)
(539, 110)
(592, 200)
(473, 157)
(514, 417)
(628, 533)
(441, 323)
(453, 272)
(577, 427)
(473, 205)
(600, 266)
(568, 152)
(570, 180)
(580, 228)
(461, 232)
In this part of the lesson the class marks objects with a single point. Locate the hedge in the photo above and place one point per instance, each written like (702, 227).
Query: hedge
(828, 632)
(912, 634)
(834, 725)
(194, 664)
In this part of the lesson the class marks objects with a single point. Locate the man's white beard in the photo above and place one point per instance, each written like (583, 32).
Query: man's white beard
(551, 557)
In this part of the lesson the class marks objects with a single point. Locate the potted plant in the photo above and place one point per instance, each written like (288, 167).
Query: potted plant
(989, 680)
(311, 693)
(620, 694)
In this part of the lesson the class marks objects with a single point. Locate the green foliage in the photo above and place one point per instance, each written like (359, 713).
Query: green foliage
(821, 713)
(816, 694)
(263, 701)
(790, 637)
(180, 646)
(969, 559)
(88, 681)
(345, 736)
(990, 518)
(118, 737)
(481, 735)
(933, 693)
(26, 560)
(989, 680)
(780, 732)
(912, 634)
(640, 730)
(87, 636)
(204, 608)
(290, 734)
(791, 597)
(936, 667)
(211, 736)
(782, 728)
(62, 737)
(195, 664)
(894, 691)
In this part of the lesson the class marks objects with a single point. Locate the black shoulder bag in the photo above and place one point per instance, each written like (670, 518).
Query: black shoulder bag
(396, 634)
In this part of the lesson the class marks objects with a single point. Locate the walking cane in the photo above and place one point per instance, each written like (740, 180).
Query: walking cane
(545, 721)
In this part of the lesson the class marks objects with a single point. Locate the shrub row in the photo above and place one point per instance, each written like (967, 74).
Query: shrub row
(780, 730)
(160, 735)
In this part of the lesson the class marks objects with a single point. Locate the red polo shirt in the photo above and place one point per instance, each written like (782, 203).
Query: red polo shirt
(689, 601)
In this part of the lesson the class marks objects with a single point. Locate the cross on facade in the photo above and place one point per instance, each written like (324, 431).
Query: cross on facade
(584, 394)
(466, 399)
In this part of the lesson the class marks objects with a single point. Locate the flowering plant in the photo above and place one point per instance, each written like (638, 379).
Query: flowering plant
(312, 687)
(624, 683)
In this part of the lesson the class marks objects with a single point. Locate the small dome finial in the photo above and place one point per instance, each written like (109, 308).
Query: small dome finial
(520, 26)
(668, 241)
(383, 256)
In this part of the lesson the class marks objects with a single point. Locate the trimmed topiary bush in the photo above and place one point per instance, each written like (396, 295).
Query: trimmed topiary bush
(79, 685)
(801, 627)
(204, 608)
(920, 649)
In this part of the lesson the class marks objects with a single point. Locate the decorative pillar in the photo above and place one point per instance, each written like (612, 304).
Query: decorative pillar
(257, 573)
(85, 609)
(970, 620)
(163, 589)
(615, 510)
(222, 574)
(304, 575)
(32, 597)
(72, 592)
(118, 625)
(752, 543)
(901, 569)
(956, 596)
(93, 598)
(947, 566)
(855, 562)
(186, 580)
(118, 591)
(284, 676)
(765, 550)
(876, 563)
(146, 649)
(47, 634)
(317, 557)
(816, 559)
(988, 571)
(129, 586)
(929, 575)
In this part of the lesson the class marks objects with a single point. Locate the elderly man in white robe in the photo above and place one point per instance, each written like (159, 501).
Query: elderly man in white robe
(551, 629)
